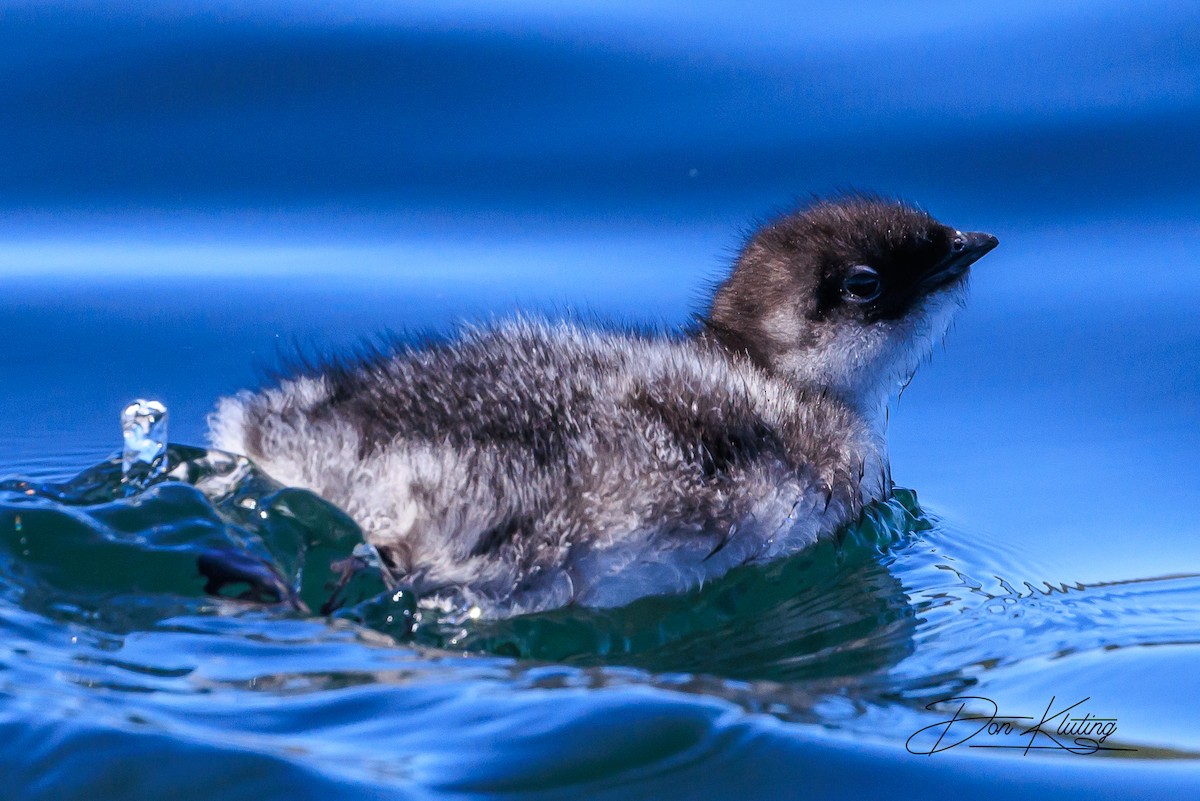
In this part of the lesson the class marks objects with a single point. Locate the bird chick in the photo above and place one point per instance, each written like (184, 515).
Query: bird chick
(529, 464)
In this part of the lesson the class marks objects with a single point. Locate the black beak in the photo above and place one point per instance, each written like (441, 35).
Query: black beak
(970, 248)
(965, 250)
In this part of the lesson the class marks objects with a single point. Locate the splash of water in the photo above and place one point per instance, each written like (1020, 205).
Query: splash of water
(144, 429)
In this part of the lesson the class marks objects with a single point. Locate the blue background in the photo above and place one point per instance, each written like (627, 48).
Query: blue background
(188, 187)
(185, 185)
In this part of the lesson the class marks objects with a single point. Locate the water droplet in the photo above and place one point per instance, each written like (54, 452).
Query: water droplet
(144, 427)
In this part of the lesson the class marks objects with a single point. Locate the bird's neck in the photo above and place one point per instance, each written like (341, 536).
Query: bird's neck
(832, 374)
(867, 400)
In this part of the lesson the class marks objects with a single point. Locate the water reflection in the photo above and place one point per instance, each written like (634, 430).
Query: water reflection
(831, 612)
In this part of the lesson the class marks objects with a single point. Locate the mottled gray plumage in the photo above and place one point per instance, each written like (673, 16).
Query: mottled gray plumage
(528, 465)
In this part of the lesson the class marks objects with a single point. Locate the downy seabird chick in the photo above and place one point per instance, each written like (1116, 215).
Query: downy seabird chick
(528, 465)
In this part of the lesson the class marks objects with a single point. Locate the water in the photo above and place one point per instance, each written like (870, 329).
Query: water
(113, 641)
(190, 191)
(144, 428)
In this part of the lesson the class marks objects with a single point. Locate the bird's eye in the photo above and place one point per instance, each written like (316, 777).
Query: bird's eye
(958, 245)
(862, 284)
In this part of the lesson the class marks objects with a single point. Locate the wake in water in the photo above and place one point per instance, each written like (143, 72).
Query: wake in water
(895, 602)
(210, 528)
(202, 525)
(165, 555)
(201, 604)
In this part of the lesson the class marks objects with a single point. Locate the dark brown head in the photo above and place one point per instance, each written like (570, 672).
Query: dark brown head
(846, 296)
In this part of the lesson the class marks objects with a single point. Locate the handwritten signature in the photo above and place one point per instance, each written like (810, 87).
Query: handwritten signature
(1082, 734)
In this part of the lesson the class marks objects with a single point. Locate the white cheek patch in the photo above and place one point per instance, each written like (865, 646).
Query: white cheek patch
(866, 365)
(928, 326)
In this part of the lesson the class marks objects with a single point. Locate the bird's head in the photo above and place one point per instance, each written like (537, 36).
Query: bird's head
(846, 296)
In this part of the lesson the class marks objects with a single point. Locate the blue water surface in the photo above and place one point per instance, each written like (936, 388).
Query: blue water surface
(189, 190)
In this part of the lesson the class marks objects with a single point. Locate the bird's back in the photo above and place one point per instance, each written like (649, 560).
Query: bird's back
(529, 465)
